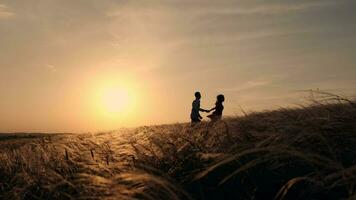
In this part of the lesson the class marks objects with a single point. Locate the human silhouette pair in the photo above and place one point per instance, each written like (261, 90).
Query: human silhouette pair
(216, 115)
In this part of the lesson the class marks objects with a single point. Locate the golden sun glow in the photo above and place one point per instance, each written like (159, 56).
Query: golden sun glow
(114, 99)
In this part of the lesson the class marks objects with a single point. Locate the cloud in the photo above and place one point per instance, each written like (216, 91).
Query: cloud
(249, 7)
(5, 12)
(51, 68)
(249, 85)
(271, 8)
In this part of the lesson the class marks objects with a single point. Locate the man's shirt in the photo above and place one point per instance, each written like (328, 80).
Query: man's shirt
(195, 109)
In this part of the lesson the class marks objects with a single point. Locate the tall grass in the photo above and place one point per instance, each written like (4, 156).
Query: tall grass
(300, 153)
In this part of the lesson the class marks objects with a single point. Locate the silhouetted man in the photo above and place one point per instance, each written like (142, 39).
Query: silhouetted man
(195, 115)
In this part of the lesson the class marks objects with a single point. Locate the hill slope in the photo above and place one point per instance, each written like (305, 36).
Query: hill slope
(304, 153)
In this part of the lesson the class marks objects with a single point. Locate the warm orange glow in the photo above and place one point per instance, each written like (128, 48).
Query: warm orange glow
(115, 100)
(74, 66)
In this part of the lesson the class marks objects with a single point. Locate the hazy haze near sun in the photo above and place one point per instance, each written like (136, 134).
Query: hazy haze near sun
(64, 63)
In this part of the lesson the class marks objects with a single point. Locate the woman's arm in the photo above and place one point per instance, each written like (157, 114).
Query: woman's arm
(203, 110)
(212, 109)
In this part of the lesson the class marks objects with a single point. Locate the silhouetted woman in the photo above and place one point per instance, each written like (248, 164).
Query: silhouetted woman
(217, 114)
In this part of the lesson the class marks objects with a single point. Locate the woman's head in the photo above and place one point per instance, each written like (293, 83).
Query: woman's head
(220, 98)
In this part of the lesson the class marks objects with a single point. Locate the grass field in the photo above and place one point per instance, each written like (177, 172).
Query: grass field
(301, 153)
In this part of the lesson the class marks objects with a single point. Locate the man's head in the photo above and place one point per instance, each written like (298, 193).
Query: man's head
(197, 95)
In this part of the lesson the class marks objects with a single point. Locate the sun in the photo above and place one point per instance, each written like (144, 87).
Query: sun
(115, 99)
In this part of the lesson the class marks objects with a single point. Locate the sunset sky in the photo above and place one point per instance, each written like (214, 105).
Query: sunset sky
(89, 65)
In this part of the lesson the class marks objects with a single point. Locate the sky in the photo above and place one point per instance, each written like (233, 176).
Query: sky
(93, 65)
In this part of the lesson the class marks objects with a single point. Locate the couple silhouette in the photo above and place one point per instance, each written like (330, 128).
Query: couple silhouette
(216, 115)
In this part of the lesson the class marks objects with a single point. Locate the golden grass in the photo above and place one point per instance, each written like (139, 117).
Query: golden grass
(304, 153)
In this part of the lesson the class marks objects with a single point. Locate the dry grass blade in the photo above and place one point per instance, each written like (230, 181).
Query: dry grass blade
(284, 190)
